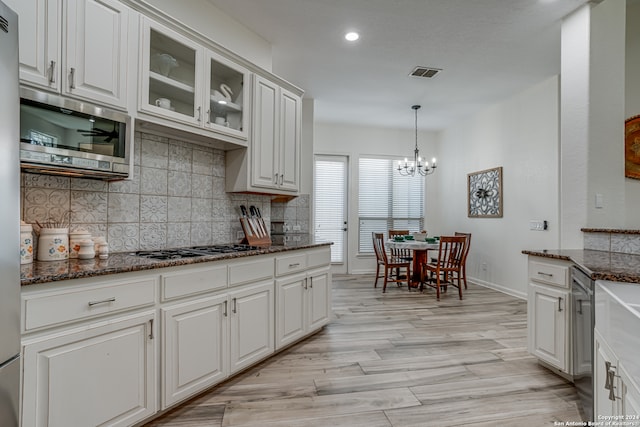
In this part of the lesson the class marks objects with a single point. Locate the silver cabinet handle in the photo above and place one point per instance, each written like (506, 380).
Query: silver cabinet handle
(545, 274)
(306, 284)
(72, 78)
(235, 305)
(311, 283)
(275, 179)
(208, 116)
(226, 313)
(52, 72)
(612, 393)
(150, 329)
(607, 380)
(559, 303)
(579, 306)
(281, 178)
(297, 264)
(104, 301)
(199, 113)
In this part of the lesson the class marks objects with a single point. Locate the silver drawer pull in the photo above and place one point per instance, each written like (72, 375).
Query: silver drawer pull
(545, 274)
(104, 301)
(297, 264)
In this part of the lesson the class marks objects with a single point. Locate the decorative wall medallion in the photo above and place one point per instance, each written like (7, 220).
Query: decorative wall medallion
(484, 190)
(632, 147)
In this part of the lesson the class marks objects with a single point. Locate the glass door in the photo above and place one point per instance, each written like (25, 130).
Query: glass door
(172, 82)
(225, 97)
(330, 207)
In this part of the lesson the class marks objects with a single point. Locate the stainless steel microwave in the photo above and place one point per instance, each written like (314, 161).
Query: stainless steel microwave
(67, 137)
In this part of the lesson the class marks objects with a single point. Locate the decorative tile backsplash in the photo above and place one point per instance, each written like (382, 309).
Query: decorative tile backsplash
(622, 242)
(295, 214)
(175, 198)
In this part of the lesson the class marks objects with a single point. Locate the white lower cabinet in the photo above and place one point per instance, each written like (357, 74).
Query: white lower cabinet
(91, 346)
(548, 312)
(303, 305)
(194, 346)
(605, 367)
(94, 375)
(548, 326)
(251, 314)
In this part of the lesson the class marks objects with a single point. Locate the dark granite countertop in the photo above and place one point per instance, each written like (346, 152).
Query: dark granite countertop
(52, 271)
(609, 230)
(600, 265)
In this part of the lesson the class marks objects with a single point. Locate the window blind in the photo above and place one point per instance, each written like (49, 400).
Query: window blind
(387, 200)
(330, 204)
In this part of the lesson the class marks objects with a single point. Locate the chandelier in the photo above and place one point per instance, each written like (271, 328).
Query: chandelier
(416, 166)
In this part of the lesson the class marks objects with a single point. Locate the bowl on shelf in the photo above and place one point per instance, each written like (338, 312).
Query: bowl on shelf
(163, 63)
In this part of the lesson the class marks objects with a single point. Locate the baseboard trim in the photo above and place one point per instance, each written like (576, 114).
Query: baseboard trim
(495, 287)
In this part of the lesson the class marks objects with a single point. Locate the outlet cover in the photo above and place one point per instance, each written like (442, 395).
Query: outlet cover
(536, 225)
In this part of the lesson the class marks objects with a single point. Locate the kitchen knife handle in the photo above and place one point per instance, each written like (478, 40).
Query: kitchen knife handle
(52, 72)
(72, 78)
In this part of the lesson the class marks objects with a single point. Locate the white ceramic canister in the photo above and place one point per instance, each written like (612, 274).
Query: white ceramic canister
(26, 243)
(86, 249)
(53, 244)
(75, 237)
(97, 241)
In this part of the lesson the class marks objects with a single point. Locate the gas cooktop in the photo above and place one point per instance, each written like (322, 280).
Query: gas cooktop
(194, 251)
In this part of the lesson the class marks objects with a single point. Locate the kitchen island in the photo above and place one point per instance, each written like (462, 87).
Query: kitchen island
(140, 335)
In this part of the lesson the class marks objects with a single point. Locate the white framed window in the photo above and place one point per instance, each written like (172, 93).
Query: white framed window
(387, 200)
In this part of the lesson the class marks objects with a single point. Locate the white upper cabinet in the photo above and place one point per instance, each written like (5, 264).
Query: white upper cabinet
(276, 137)
(185, 82)
(75, 47)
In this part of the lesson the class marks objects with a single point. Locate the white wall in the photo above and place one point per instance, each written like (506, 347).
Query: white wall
(354, 141)
(210, 21)
(521, 135)
(632, 106)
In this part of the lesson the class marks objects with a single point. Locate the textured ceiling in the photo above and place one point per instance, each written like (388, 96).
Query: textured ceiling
(487, 49)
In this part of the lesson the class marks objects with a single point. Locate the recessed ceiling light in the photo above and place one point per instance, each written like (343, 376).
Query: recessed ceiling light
(352, 36)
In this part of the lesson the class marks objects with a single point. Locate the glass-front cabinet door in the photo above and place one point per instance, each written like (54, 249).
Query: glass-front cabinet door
(225, 95)
(172, 74)
(186, 82)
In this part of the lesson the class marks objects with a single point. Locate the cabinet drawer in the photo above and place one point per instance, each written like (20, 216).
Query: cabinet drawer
(319, 257)
(76, 304)
(250, 271)
(291, 263)
(193, 281)
(550, 273)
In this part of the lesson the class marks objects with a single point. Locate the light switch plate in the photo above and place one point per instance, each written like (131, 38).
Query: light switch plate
(537, 225)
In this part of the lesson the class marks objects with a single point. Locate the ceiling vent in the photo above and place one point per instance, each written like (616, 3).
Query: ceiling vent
(426, 72)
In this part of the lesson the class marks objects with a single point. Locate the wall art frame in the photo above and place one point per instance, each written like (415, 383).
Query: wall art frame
(484, 193)
(632, 147)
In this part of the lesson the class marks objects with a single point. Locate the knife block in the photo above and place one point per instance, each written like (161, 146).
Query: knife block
(255, 232)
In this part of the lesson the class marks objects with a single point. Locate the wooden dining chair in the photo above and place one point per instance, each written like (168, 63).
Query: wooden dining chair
(389, 262)
(463, 269)
(443, 272)
(405, 254)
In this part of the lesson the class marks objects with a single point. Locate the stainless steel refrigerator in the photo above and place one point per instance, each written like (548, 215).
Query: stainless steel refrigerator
(9, 219)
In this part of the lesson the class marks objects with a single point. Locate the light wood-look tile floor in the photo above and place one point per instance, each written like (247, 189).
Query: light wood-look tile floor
(397, 359)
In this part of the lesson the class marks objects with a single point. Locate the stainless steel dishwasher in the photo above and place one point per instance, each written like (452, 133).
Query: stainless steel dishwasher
(583, 322)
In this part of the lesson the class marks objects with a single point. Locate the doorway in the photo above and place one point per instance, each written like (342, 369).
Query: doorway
(330, 207)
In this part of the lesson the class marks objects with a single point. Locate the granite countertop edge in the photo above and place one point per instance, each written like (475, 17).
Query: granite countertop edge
(599, 265)
(609, 230)
(40, 272)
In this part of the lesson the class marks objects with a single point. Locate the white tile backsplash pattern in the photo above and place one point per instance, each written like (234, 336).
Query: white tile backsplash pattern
(175, 198)
(627, 243)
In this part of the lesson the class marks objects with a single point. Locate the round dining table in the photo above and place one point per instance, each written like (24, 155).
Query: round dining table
(420, 249)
